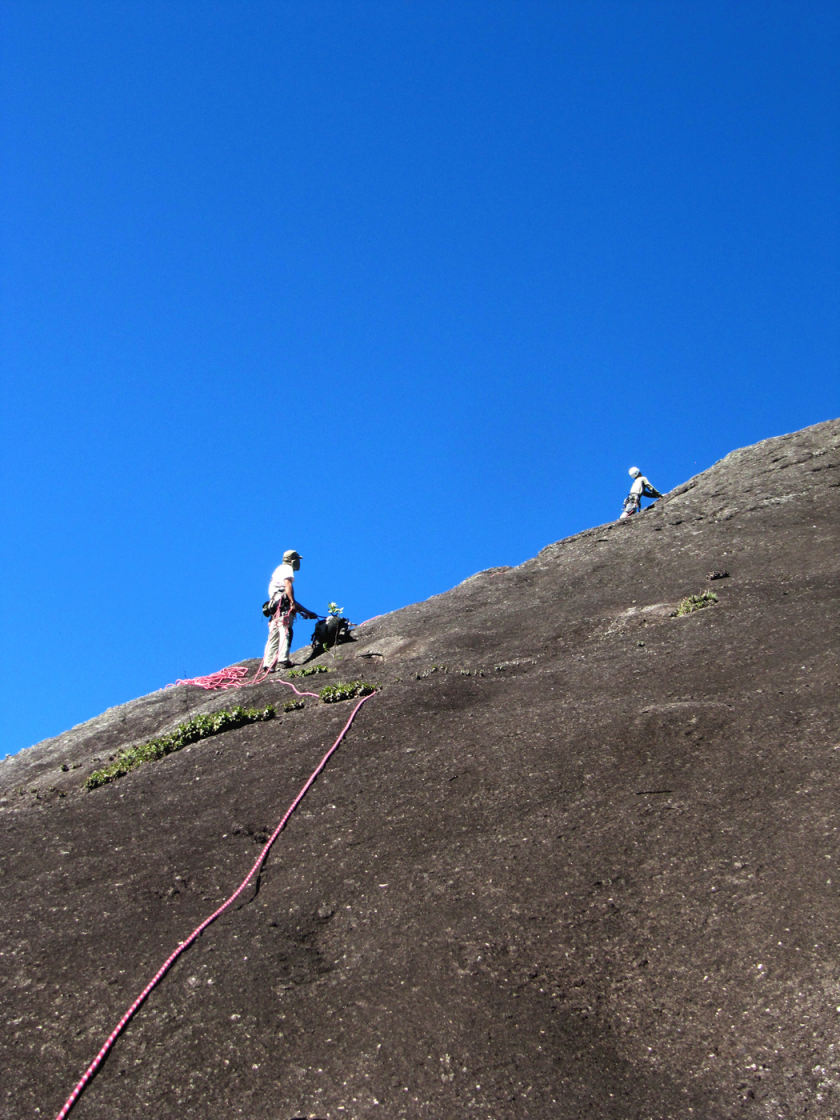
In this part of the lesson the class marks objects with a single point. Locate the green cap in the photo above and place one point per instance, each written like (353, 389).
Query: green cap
(289, 555)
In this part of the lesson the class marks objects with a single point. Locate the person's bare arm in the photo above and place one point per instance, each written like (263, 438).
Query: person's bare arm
(296, 608)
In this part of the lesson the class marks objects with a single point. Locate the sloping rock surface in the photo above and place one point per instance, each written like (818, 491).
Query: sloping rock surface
(578, 858)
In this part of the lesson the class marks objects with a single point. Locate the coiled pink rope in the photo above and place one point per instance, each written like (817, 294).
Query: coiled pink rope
(196, 933)
(238, 682)
(232, 677)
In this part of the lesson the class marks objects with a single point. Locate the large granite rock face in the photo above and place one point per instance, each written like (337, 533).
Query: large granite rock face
(579, 857)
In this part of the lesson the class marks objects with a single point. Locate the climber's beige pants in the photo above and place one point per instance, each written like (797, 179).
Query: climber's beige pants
(278, 645)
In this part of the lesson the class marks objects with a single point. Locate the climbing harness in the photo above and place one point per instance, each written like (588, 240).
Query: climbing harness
(196, 933)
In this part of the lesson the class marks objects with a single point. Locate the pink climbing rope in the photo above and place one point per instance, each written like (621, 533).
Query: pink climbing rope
(231, 677)
(234, 675)
(196, 933)
(238, 682)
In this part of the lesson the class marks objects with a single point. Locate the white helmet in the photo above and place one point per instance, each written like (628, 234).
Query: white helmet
(634, 472)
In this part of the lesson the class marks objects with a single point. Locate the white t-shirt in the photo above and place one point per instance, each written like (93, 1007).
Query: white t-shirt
(636, 490)
(280, 575)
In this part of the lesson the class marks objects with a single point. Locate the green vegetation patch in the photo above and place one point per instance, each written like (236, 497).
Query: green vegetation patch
(310, 671)
(193, 731)
(293, 705)
(333, 693)
(694, 603)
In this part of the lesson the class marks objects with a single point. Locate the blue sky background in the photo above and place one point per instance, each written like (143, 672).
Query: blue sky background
(405, 286)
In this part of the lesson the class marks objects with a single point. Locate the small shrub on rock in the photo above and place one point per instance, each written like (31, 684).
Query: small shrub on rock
(334, 693)
(693, 603)
(193, 731)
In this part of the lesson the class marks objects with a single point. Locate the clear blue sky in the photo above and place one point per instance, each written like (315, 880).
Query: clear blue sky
(405, 286)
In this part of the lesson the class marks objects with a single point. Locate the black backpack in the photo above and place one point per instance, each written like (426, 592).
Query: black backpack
(329, 632)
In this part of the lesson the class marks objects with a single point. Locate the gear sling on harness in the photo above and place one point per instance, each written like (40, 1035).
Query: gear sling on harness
(270, 606)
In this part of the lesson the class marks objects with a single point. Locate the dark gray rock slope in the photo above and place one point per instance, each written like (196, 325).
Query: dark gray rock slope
(578, 858)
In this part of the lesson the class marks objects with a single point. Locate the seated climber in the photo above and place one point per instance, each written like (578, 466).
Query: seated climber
(283, 607)
(641, 488)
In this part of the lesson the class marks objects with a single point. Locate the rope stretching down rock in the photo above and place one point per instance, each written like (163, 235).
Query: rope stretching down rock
(196, 933)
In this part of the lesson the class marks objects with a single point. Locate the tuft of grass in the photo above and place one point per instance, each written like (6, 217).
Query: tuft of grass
(334, 693)
(694, 603)
(193, 731)
(310, 671)
(293, 705)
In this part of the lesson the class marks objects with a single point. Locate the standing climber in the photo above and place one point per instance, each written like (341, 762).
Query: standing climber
(641, 488)
(283, 608)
